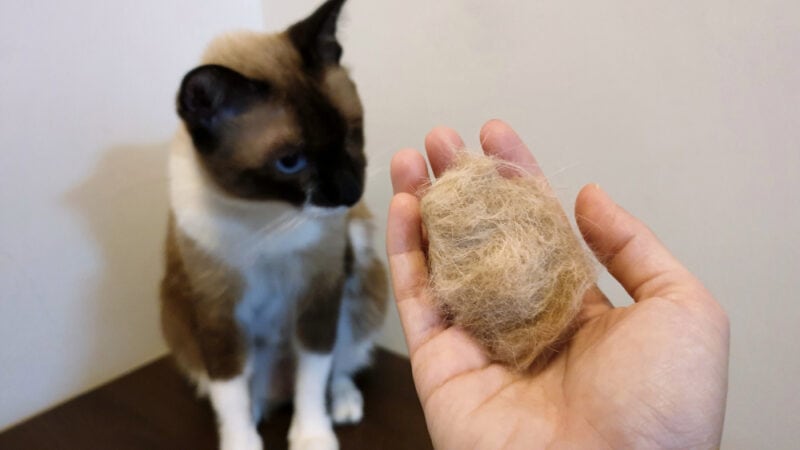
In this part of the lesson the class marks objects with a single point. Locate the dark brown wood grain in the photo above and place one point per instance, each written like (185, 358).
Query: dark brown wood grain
(154, 408)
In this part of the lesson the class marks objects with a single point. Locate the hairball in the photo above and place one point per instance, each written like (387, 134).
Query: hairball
(504, 262)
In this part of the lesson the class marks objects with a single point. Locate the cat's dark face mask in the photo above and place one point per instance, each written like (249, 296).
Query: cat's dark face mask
(275, 117)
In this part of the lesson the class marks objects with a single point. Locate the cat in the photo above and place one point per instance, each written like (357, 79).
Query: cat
(272, 289)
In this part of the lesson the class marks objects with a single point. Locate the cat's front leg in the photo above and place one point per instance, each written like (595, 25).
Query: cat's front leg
(318, 315)
(311, 427)
(231, 401)
(225, 356)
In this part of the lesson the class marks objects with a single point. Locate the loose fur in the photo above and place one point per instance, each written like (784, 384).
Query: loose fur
(504, 262)
(273, 290)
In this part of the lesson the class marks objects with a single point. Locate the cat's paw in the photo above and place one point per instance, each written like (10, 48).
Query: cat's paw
(313, 440)
(347, 404)
(241, 440)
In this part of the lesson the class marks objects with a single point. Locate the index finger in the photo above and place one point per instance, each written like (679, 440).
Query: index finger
(409, 272)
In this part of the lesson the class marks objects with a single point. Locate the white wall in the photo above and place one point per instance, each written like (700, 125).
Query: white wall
(87, 106)
(687, 112)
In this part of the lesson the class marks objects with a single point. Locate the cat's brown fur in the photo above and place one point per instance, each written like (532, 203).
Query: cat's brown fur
(271, 280)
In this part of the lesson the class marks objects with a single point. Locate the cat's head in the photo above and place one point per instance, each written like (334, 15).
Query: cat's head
(276, 117)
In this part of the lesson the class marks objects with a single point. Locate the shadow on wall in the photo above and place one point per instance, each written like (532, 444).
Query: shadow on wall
(124, 204)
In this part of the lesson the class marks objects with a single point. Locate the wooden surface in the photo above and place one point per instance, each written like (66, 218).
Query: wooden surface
(154, 408)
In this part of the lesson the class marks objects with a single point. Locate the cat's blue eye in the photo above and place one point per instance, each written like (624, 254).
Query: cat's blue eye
(291, 164)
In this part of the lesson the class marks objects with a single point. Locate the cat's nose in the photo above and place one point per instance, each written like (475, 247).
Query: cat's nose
(350, 189)
(343, 190)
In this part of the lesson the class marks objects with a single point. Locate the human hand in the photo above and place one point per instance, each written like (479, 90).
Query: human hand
(650, 375)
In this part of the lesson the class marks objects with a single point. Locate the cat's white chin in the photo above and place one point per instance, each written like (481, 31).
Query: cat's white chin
(319, 212)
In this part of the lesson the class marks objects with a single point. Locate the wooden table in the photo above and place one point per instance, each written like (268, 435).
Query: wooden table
(154, 408)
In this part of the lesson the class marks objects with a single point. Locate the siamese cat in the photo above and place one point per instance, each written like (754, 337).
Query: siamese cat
(272, 290)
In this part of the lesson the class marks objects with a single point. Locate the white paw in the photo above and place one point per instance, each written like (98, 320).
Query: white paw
(347, 404)
(313, 440)
(241, 440)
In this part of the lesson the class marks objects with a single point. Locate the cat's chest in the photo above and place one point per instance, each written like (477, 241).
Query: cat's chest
(269, 298)
(277, 263)
(274, 284)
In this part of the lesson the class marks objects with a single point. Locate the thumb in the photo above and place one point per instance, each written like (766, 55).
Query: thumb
(629, 250)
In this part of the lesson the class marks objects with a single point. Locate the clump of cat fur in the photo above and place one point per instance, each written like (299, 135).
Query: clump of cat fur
(504, 262)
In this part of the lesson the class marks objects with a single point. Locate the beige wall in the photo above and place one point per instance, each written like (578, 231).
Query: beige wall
(687, 112)
(87, 105)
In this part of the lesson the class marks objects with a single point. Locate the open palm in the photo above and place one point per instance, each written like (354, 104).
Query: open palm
(651, 375)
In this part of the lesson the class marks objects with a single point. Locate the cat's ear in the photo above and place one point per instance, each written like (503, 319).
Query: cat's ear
(315, 36)
(211, 95)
